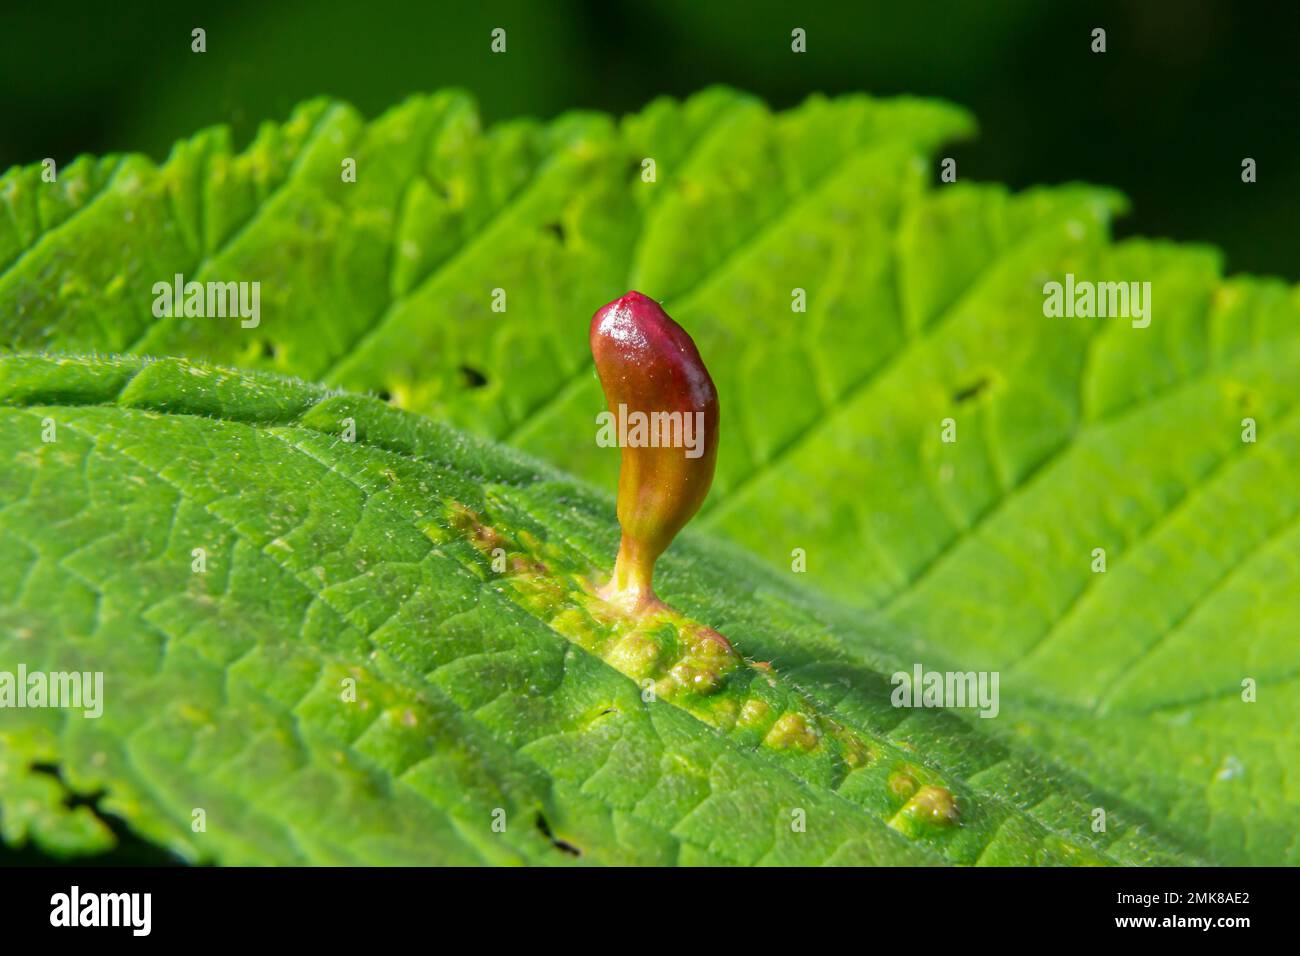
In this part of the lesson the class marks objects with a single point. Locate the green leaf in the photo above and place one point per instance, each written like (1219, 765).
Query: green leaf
(480, 694)
(386, 283)
(925, 302)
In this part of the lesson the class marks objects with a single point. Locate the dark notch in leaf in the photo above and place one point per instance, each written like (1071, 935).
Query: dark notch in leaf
(561, 845)
(130, 849)
(471, 377)
(972, 391)
(655, 381)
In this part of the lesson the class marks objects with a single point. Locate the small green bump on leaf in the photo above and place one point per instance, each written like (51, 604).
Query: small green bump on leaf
(753, 713)
(792, 730)
(935, 806)
(902, 785)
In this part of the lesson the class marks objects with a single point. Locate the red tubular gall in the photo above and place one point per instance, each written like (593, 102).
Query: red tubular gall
(652, 374)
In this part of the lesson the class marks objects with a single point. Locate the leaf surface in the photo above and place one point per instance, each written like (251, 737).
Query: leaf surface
(478, 694)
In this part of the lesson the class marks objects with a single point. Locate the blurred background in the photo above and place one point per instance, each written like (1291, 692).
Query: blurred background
(1186, 89)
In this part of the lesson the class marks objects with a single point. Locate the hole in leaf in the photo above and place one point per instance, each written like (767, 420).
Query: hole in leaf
(472, 377)
(268, 350)
(973, 390)
(384, 395)
(555, 228)
(559, 844)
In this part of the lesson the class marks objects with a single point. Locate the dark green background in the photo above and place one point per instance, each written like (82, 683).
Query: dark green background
(1186, 89)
